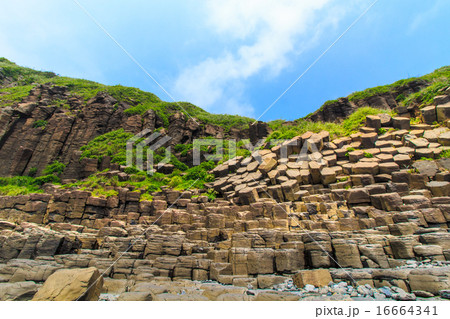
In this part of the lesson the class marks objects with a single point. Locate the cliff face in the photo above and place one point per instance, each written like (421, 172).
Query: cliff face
(37, 131)
(343, 107)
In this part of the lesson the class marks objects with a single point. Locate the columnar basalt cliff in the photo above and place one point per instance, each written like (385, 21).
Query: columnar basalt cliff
(317, 217)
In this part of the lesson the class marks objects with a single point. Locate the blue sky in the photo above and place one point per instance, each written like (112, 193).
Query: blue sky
(234, 56)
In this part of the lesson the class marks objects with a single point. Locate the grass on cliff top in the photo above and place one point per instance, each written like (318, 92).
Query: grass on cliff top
(162, 109)
(438, 79)
(140, 101)
(347, 127)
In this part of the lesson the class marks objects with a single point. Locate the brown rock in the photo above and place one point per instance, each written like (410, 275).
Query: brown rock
(431, 280)
(71, 285)
(316, 277)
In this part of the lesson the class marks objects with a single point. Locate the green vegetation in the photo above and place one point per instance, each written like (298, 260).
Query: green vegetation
(51, 178)
(415, 120)
(381, 131)
(40, 123)
(212, 194)
(139, 100)
(426, 95)
(110, 144)
(56, 168)
(18, 185)
(101, 192)
(23, 75)
(439, 79)
(192, 178)
(357, 119)
(368, 155)
(163, 109)
(22, 185)
(11, 95)
(347, 127)
(445, 154)
(113, 144)
(32, 172)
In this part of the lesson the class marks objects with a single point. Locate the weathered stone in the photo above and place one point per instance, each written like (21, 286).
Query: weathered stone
(260, 261)
(18, 291)
(289, 189)
(347, 253)
(71, 285)
(328, 176)
(388, 168)
(365, 168)
(431, 280)
(290, 260)
(373, 121)
(267, 165)
(402, 160)
(401, 123)
(439, 189)
(387, 202)
(375, 253)
(429, 114)
(443, 112)
(368, 140)
(317, 278)
(268, 281)
(357, 196)
(402, 247)
(248, 195)
(444, 139)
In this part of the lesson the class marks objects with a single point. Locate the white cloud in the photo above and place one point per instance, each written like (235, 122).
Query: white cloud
(270, 32)
(424, 16)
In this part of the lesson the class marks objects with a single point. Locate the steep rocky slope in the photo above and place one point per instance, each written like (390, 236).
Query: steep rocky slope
(44, 118)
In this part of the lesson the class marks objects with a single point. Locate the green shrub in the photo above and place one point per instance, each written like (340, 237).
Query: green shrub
(111, 144)
(131, 170)
(40, 123)
(147, 197)
(348, 126)
(175, 181)
(445, 154)
(11, 95)
(41, 180)
(56, 168)
(357, 118)
(212, 194)
(32, 172)
(103, 193)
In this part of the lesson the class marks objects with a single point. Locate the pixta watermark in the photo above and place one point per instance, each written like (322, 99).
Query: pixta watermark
(144, 147)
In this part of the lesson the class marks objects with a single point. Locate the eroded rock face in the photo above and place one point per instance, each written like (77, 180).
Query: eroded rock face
(23, 145)
(342, 108)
